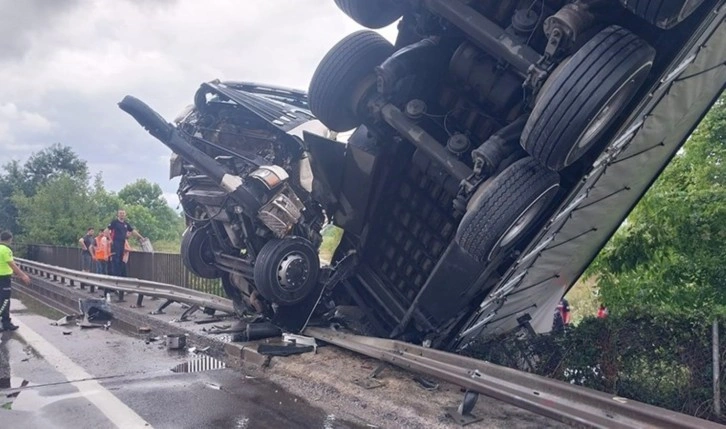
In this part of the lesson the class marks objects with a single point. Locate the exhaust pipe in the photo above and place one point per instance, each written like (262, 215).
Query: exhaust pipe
(166, 133)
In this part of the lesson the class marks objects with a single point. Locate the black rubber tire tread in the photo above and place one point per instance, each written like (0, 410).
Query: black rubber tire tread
(664, 14)
(580, 89)
(265, 270)
(371, 13)
(347, 64)
(507, 197)
(191, 260)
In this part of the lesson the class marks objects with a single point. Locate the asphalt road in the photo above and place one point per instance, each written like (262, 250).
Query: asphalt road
(68, 377)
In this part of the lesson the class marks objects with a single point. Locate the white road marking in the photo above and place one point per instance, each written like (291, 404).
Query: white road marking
(116, 411)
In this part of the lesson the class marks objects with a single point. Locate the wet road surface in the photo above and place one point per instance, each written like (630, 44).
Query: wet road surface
(68, 377)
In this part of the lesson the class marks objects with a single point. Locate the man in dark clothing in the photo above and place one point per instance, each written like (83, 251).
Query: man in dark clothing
(87, 243)
(7, 269)
(120, 230)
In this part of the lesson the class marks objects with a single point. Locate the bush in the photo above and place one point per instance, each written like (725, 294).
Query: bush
(663, 358)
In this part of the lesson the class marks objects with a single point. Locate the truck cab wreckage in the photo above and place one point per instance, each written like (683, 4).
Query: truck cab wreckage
(477, 137)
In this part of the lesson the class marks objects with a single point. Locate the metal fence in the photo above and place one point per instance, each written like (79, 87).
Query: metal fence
(158, 267)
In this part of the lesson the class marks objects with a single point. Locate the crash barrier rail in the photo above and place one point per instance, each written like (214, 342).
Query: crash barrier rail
(128, 285)
(561, 401)
(155, 266)
(570, 404)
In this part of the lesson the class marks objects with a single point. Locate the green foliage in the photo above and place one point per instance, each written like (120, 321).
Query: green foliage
(661, 357)
(50, 163)
(149, 212)
(41, 168)
(145, 194)
(669, 253)
(59, 213)
(48, 200)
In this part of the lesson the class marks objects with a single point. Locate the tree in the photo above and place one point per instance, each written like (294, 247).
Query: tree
(148, 211)
(144, 193)
(59, 212)
(669, 253)
(41, 168)
(49, 164)
(10, 181)
(106, 203)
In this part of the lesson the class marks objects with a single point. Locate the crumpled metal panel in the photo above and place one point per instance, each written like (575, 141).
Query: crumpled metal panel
(619, 178)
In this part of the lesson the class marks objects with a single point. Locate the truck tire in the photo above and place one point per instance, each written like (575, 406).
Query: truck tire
(371, 13)
(286, 270)
(196, 252)
(664, 14)
(341, 74)
(506, 209)
(585, 96)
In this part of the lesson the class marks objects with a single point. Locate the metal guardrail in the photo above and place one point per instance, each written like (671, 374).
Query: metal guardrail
(561, 401)
(130, 285)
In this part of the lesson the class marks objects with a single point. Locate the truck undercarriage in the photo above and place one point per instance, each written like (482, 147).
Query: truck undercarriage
(470, 133)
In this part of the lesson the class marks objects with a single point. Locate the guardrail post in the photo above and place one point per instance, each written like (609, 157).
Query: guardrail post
(121, 296)
(140, 300)
(716, 372)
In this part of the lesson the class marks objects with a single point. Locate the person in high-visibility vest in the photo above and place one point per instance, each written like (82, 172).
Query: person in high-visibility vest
(102, 248)
(7, 269)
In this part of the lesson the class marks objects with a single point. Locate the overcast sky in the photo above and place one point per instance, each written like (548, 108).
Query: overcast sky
(64, 64)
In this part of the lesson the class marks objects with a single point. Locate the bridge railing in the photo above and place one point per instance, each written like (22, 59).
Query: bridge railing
(157, 266)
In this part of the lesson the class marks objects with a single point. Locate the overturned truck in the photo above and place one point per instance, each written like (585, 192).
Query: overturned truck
(472, 133)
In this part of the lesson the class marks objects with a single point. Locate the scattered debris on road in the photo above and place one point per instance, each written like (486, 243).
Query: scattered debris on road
(176, 341)
(67, 320)
(300, 340)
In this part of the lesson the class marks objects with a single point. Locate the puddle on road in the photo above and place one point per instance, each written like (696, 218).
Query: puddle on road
(202, 363)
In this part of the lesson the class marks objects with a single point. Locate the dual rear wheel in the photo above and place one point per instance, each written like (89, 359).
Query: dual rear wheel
(576, 107)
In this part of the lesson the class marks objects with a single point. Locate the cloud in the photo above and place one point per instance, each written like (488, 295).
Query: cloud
(65, 65)
(22, 21)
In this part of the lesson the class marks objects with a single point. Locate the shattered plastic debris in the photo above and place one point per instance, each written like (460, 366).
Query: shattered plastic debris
(95, 309)
(300, 340)
(67, 320)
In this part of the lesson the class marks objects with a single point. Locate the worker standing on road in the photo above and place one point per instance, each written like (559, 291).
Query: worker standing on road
(102, 250)
(87, 251)
(7, 269)
(120, 230)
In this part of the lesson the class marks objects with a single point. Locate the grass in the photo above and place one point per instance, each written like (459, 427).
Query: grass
(166, 246)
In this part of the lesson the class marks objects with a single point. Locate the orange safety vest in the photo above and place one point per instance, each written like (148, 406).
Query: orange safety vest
(101, 251)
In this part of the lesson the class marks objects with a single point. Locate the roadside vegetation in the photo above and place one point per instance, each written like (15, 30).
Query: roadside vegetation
(669, 254)
(663, 278)
(52, 199)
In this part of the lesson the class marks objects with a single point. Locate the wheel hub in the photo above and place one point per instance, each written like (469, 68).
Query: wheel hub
(293, 271)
